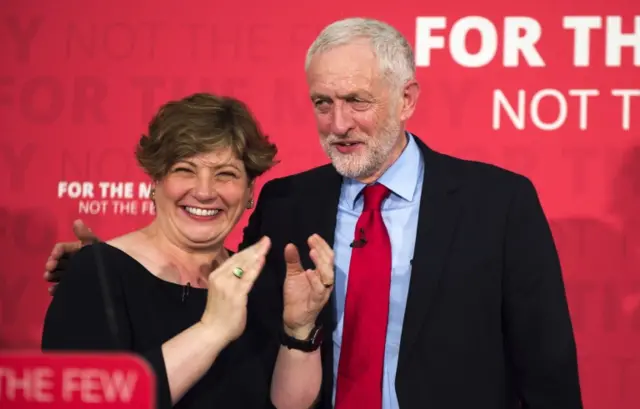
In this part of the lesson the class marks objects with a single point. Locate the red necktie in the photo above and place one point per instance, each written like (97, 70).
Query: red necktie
(360, 369)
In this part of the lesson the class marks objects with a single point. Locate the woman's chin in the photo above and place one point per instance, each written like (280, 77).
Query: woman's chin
(204, 240)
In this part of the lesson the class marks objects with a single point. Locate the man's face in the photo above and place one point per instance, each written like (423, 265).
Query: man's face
(360, 116)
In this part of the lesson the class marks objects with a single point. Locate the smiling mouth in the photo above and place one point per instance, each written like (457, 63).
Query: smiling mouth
(346, 143)
(196, 211)
(347, 148)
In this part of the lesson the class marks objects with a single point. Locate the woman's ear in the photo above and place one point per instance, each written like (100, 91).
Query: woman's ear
(152, 191)
(251, 202)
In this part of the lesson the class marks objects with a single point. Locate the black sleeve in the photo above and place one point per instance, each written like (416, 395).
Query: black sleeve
(77, 318)
(539, 333)
(265, 300)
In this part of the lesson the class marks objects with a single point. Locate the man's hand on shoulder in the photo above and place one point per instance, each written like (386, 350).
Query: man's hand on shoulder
(61, 252)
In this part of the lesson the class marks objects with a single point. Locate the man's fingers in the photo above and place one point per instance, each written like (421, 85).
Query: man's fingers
(324, 252)
(52, 276)
(59, 258)
(61, 249)
(323, 258)
(54, 269)
(315, 282)
(292, 259)
(83, 233)
(324, 267)
(315, 241)
(60, 254)
(55, 264)
(50, 266)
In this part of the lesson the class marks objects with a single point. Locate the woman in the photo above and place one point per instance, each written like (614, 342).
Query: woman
(177, 296)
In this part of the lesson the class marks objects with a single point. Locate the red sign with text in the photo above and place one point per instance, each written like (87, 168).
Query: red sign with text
(66, 380)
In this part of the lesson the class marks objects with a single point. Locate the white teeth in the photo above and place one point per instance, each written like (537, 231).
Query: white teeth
(201, 212)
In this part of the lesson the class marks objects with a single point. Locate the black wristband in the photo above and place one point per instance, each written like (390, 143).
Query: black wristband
(310, 344)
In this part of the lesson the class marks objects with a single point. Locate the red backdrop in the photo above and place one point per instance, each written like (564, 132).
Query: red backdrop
(79, 81)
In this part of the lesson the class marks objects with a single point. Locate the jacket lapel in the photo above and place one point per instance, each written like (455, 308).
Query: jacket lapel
(439, 208)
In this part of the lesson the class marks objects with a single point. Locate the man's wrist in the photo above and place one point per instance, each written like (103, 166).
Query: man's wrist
(301, 333)
(307, 338)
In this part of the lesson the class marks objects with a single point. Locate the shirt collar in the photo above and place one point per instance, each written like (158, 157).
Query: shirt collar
(401, 177)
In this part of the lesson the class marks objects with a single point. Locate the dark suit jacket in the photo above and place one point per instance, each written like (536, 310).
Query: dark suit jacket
(487, 324)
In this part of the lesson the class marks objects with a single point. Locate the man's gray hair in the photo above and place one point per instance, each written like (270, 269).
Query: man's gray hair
(392, 50)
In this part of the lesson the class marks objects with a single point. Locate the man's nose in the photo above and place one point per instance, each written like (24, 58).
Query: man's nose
(342, 121)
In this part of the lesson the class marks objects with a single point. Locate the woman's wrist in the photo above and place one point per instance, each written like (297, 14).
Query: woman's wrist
(212, 336)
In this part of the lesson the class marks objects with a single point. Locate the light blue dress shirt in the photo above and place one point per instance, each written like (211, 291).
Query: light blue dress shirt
(400, 214)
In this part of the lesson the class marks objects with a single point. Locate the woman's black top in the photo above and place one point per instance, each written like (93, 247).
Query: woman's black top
(147, 312)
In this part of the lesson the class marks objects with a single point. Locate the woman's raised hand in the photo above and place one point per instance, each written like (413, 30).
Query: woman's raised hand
(229, 286)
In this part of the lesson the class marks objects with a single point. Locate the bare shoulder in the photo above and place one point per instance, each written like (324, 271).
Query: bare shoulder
(139, 247)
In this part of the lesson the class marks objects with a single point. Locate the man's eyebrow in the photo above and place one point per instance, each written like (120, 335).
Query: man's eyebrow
(350, 95)
(316, 95)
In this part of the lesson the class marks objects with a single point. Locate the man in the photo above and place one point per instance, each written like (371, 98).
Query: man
(448, 289)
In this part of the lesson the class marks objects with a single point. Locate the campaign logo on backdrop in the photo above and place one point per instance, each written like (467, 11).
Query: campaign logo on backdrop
(120, 198)
(515, 43)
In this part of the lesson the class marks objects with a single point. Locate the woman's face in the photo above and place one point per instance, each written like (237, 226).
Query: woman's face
(202, 198)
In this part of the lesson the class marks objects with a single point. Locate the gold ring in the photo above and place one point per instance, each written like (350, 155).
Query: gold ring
(238, 272)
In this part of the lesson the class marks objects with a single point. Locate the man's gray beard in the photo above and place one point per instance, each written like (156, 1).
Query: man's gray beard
(366, 164)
